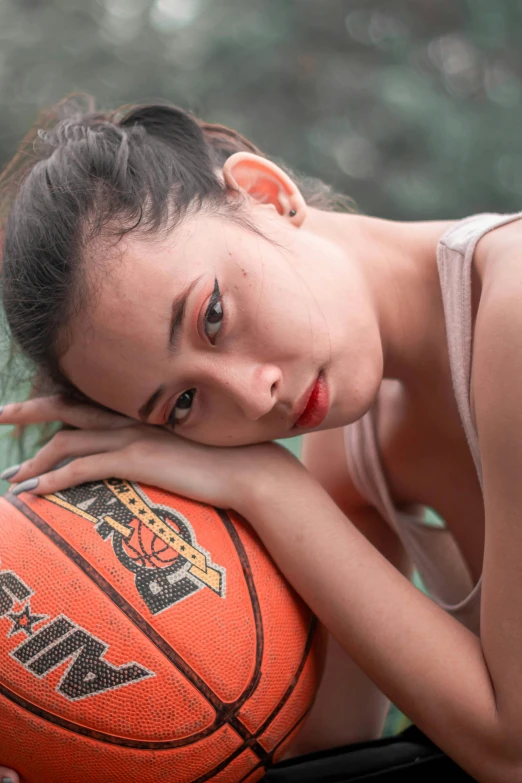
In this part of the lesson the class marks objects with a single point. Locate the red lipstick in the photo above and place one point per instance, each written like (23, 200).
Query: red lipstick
(316, 406)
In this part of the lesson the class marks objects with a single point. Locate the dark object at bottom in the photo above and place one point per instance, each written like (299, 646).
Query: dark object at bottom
(409, 757)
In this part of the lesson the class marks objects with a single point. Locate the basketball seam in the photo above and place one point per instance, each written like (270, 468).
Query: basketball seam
(223, 715)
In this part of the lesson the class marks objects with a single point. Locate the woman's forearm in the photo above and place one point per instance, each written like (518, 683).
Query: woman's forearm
(430, 665)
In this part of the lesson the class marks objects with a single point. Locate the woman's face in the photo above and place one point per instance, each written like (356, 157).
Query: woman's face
(222, 334)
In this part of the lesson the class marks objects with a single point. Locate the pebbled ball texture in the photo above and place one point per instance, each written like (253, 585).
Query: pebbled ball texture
(145, 637)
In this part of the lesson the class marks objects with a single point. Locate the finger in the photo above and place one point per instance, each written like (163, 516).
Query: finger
(68, 444)
(92, 468)
(8, 776)
(55, 408)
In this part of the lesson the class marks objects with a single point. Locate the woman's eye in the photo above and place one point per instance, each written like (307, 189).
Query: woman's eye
(181, 408)
(214, 314)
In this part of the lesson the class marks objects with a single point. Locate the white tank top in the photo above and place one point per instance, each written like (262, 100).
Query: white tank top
(434, 550)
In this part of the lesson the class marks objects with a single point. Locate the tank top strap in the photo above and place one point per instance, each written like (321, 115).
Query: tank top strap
(454, 259)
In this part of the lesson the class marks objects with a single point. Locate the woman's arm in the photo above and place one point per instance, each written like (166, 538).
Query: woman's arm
(348, 707)
(497, 397)
(424, 660)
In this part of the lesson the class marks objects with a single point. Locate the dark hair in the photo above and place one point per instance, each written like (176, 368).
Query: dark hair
(83, 176)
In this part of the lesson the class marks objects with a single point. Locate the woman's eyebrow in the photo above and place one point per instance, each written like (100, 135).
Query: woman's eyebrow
(176, 324)
(176, 320)
(146, 409)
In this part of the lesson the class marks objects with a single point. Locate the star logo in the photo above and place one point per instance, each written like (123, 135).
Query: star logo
(24, 621)
(123, 514)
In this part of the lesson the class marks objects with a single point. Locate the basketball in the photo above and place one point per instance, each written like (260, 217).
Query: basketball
(145, 637)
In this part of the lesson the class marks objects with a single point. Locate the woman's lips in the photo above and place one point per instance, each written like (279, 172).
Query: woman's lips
(316, 407)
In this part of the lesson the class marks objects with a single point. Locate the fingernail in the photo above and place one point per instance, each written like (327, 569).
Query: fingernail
(24, 486)
(8, 473)
(1, 409)
(7, 780)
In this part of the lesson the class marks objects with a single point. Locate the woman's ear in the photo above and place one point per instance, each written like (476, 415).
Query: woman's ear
(265, 183)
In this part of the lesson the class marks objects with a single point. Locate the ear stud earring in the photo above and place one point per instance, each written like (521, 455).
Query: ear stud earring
(292, 213)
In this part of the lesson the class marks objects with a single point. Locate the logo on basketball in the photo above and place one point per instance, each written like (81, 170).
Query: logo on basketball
(58, 641)
(155, 542)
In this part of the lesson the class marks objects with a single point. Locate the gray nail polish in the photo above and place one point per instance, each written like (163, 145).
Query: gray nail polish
(25, 486)
(1, 409)
(8, 473)
(7, 780)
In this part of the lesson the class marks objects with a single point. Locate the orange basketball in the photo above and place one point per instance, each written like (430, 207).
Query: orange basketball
(145, 637)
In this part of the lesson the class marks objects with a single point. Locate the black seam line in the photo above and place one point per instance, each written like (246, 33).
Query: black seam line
(208, 775)
(75, 728)
(257, 747)
(267, 755)
(250, 741)
(267, 760)
(259, 635)
(235, 723)
(311, 636)
(117, 740)
(223, 711)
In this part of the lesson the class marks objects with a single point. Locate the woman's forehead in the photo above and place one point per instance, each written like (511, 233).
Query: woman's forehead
(201, 240)
(130, 301)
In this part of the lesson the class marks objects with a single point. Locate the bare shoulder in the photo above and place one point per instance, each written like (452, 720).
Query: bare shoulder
(493, 246)
(324, 455)
(497, 339)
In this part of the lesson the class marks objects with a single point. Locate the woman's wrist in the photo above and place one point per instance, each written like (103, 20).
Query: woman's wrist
(274, 471)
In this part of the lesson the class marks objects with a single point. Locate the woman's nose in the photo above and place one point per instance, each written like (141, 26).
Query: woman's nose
(255, 390)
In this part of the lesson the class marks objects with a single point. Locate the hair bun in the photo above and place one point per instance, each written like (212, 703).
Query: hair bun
(72, 131)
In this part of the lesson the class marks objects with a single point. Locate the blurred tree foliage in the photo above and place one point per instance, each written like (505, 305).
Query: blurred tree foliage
(412, 107)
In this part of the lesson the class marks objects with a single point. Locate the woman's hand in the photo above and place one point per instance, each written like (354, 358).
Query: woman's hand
(106, 445)
(8, 776)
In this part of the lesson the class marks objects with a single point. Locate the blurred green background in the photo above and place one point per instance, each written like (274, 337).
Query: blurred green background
(411, 107)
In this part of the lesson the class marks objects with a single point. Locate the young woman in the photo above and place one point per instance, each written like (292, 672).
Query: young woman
(191, 302)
